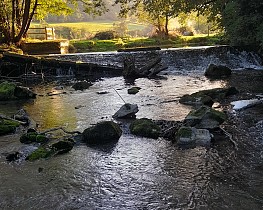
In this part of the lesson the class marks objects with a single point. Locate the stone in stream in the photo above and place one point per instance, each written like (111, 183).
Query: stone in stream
(205, 117)
(207, 97)
(7, 126)
(102, 133)
(11, 91)
(126, 111)
(134, 90)
(217, 71)
(187, 136)
(81, 85)
(146, 128)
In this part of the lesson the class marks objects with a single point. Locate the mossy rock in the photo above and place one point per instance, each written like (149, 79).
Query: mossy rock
(185, 136)
(146, 128)
(63, 146)
(8, 126)
(102, 133)
(7, 90)
(207, 97)
(133, 90)
(205, 117)
(217, 72)
(41, 152)
(33, 137)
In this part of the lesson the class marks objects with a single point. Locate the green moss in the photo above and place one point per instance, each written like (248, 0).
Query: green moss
(145, 128)
(8, 126)
(33, 137)
(41, 152)
(7, 90)
(184, 132)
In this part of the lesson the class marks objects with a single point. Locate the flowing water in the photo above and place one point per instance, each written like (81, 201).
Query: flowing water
(135, 173)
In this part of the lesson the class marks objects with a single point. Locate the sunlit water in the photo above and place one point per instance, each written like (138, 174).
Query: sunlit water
(135, 173)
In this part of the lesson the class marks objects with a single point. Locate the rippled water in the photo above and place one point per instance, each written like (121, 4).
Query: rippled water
(135, 173)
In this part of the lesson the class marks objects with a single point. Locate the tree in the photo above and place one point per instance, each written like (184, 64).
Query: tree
(157, 12)
(16, 15)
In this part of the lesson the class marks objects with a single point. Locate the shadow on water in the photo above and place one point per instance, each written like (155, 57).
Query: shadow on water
(134, 173)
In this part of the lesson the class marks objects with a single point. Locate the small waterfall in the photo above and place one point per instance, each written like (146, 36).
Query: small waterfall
(192, 60)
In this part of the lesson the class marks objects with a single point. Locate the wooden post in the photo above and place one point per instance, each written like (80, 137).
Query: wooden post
(46, 32)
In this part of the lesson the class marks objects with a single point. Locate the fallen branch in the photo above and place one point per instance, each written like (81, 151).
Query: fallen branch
(230, 138)
(9, 118)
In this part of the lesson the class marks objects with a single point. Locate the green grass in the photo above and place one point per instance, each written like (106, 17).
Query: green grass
(115, 44)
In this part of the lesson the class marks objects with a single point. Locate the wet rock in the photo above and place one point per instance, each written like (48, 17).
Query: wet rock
(24, 93)
(146, 128)
(126, 111)
(22, 116)
(39, 153)
(205, 117)
(7, 126)
(10, 91)
(63, 146)
(134, 90)
(83, 85)
(217, 71)
(207, 97)
(13, 156)
(191, 136)
(102, 133)
(33, 137)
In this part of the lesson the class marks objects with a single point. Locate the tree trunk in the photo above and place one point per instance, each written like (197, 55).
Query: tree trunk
(166, 25)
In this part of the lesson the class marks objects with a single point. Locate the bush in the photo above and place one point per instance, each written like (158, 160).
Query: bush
(105, 35)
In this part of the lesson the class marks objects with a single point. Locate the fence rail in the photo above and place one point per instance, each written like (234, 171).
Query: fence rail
(48, 33)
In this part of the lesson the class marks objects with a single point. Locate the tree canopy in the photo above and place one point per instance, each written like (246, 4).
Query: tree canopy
(16, 15)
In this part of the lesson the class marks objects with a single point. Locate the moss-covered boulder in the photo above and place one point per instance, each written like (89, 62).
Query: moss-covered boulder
(146, 128)
(190, 136)
(134, 90)
(63, 146)
(217, 71)
(207, 97)
(41, 152)
(10, 91)
(205, 117)
(33, 137)
(102, 133)
(7, 126)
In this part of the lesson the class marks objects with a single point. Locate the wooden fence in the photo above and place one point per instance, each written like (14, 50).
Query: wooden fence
(42, 33)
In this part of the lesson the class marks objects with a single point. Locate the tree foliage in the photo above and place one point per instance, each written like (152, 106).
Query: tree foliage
(16, 15)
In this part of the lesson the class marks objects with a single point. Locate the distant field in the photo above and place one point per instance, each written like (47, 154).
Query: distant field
(81, 28)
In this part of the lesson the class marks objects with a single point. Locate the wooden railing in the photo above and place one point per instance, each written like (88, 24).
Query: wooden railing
(45, 33)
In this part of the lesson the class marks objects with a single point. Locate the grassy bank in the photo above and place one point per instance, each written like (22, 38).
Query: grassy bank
(115, 44)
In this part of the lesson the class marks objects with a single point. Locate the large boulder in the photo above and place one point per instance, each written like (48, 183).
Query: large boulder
(10, 91)
(102, 133)
(187, 136)
(146, 128)
(7, 126)
(24, 93)
(217, 71)
(207, 97)
(126, 111)
(205, 117)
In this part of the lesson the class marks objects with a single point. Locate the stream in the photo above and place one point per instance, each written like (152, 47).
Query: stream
(135, 173)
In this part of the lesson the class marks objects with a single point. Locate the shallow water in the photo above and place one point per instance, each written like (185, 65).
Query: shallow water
(135, 173)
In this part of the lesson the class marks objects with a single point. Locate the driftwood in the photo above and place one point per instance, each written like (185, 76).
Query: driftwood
(9, 118)
(152, 68)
